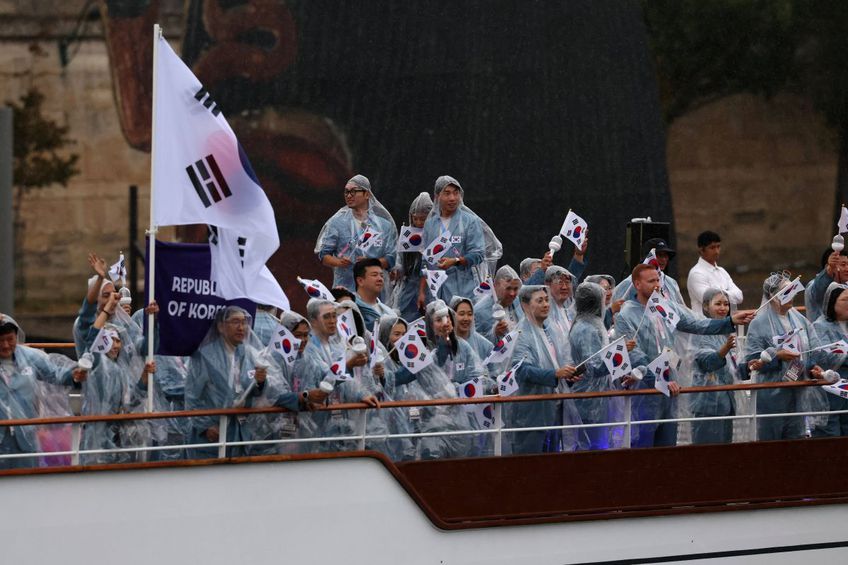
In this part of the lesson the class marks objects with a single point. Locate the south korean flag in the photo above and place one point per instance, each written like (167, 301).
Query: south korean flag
(285, 344)
(507, 383)
(574, 228)
(659, 307)
(438, 248)
(435, 280)
(337, 370)
(118, 271)
(790, 341)
(410, 239)
(663, 372)
(616, 359)
(104, 340)
(412, 352)
(503, 348)
(369, 238)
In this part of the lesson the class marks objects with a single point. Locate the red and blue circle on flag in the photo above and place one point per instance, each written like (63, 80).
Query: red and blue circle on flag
(415, 239)
(313, 292)
(469, 390)
(488, 413)
(617, 360)
(410, 351)
(287, 345)
(438, 249)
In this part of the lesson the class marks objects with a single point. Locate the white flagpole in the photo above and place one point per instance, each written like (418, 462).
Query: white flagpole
(595, 354)
(151, 232)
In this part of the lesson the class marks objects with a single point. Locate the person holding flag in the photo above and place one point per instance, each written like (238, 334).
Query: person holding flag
(653, 335)
(832, 328)
(407, 271)
(577, 265)
(561, 284)
(586, 337)
(716, 363)
(545, 366)
(660, 258)
(362, 228)
(326, 359)
(500, 312)
(834, 270)
(465, 328)
(607, 283)
(466, 243)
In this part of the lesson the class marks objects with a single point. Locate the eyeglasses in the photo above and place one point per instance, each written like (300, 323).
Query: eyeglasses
(353, 191)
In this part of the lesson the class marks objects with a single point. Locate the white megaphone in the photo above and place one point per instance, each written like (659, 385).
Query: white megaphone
(838, 243)
(555, 245)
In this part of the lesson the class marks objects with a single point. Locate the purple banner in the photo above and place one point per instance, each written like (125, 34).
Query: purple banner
(187, 303)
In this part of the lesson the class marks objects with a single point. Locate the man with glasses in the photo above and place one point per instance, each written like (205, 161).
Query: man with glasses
(363, 228)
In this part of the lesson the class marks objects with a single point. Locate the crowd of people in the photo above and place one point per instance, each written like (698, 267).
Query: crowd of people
(558, 325)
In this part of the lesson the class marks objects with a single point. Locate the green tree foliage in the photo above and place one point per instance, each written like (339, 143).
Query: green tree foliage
(36, 146)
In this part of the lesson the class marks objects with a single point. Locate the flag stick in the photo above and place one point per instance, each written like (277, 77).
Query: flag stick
(599, 352)
(151, 232)
(818, 348)
(775, 295)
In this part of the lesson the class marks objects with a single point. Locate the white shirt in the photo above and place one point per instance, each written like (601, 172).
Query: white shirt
(704, 276)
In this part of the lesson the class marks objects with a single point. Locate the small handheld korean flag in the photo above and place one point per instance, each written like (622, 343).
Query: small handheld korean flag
(838, 348)
(661, 368)
(346, 325)
(103, 341)
(412, 352)
(651, 259)
(659, 307)
(574, 228)
(118, 271)
(786, 295)
(842, 224)
(839, 388)
(503, 348)
(369, 238)
(338, 368)
(790, 341)
(284, 343)
(419, 327)
(485, 288)
(438, 248)
(507, 383)
(315, 289)
(435, 280)
(484, 415)
(616, 359)
(410, 239)
(471, 389)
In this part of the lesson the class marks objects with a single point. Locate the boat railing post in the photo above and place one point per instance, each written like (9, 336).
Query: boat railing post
(222, 436)
(755, 431)
(627, 420)
(498, 427)
(360, 429)
(76, 438)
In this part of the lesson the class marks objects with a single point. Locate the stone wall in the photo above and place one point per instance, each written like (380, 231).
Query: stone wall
(760, 173)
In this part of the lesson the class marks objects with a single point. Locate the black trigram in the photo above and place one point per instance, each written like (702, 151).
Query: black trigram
(213, 234)
(205, 98)
(242, 242)
(206, 169)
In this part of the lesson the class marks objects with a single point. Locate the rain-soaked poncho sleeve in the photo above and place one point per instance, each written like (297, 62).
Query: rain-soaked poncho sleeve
(82, 324)
(814, 294)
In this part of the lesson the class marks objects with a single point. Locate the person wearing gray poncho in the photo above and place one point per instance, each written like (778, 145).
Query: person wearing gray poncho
(831, 327)
(541, 373)
(782, 363)
(20, 369)
(507, 282)
(407, 270)
(229, 370)
(588, 336)
(472, 247)
(345, 238)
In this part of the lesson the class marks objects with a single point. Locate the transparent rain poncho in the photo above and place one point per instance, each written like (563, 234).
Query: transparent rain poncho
(481, 346)
(830, 330)
(471, 238)
(537, 375)
(484, 309)
(652, 338)
(610, 280)
(342, 233)
(768, 323)
(712, 369)
(588, 336)
(21, 397)
(404, 296)
(222, 375)
(561, 315)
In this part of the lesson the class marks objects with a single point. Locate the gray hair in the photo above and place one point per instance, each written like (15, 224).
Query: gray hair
(313, 307)
(526, 266)
(528, 290)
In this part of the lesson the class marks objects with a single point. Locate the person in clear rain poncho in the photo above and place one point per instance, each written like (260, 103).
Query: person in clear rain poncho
(716, 364)
(561, 284)
(544, 368)
(834, 270)
(607, 283)
(502, 303)
(781, 363)
(21, 369)
(330, 358)
(473, 249)
(231, 369)
(362, 228)
(407, 270)
(626, 290)
(831, 327)
(465, 328)
(652, 336)
(588, 336)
